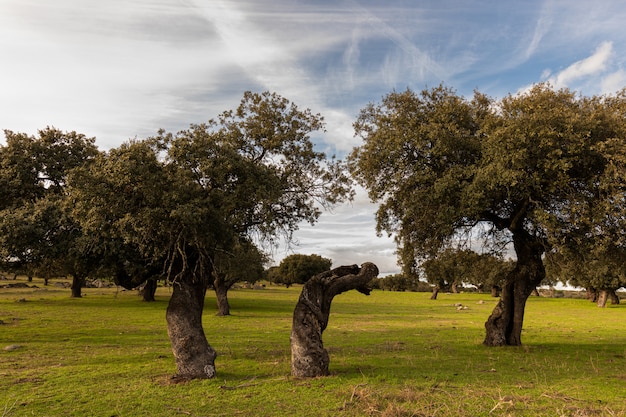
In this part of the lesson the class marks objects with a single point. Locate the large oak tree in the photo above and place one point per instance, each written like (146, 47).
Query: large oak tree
(185, 200)
(441, 165)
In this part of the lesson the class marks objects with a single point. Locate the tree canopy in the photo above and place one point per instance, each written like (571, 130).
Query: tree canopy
(298, 268)
(520, 167)
(187, 200)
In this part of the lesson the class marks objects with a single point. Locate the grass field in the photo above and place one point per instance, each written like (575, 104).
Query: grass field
(392, 354)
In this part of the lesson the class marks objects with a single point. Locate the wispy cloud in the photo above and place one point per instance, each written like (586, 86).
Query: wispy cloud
(590, 66)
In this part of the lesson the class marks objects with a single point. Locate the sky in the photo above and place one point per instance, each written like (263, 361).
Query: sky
(123, 69)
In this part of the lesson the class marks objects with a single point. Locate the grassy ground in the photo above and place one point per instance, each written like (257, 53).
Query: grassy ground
(392, 354)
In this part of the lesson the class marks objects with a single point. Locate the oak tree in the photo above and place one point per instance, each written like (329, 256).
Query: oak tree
(444, 168)
(184, 200)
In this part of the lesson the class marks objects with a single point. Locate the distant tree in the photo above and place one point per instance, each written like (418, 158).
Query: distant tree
(185, 200)
(36, 232)
(441, 165)
(298, 268)
(244, 262)
(401, 282)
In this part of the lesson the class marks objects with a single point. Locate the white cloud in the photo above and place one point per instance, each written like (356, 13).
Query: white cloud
(591, 66)
(614, 82)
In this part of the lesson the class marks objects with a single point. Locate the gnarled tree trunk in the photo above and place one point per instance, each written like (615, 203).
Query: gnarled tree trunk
(310, 317)
(195, 358)
(504, 326)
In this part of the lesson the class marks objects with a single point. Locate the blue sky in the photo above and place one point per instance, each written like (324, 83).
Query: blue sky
(121, 69)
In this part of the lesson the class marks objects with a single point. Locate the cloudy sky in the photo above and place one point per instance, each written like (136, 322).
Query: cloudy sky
(121, 69)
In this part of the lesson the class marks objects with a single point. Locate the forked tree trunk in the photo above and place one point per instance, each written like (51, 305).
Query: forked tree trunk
(221, 296)
(310, 317)
(504, 326)
(78, 282)
(195, 358)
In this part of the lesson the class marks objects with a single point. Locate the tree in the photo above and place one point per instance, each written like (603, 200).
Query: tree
(308, 357)
(185, 200)
(243, 263)
(298, 268)
(36, 231)
(444, 167)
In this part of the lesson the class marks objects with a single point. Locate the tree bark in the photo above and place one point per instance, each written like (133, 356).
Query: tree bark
(433, 296)
(78, 282)
(221, 296)
(195, 358)
(504, 326)
(149, 290)
(613, 297)
(308, 357)
(603, 296)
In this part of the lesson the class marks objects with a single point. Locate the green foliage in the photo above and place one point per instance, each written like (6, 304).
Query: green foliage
(392, 354)
(456, 267)
(36, 232)
(528, 164)
(401, 282)
(185, 200)
(298, 268)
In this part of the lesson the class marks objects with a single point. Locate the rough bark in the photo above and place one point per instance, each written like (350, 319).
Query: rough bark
(195, 358)
(310, 318)
(78, 282)
(504, 326)
(613, 297)
(221, 296)
(603, 296)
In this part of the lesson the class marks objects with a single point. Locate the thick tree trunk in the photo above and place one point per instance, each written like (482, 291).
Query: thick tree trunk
(504, 326)
(310, 318)
(195, 358)
(221, 296)
(603, 296)
(613, 297)
(433, 296)
(149, 290)
(78, 282)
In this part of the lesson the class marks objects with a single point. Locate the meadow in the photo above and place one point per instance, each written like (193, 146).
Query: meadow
(392, 354)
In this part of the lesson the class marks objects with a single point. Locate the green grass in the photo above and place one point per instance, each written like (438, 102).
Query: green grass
(392, 354)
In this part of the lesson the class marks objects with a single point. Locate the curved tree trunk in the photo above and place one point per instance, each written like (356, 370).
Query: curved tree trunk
(613, 297)
(149, 290)
(221, 296)
(310, 317)
(433, 296)
(78, 282)
(195, 358)
(504, 326)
